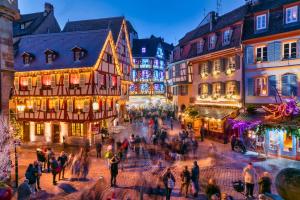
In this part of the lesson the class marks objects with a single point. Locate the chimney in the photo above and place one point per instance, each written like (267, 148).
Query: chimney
(212, 19)
(48, 9)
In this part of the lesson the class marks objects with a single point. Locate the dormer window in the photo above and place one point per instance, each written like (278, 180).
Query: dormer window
(227, 36)
(200, 45)
(78, 53)
(212, 41)
(261, 22)
(27, 58)
(291, 15)
(50, 56)
(144, 50)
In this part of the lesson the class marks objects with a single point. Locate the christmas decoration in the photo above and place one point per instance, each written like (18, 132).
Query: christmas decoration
(6, 143)
(282, 111)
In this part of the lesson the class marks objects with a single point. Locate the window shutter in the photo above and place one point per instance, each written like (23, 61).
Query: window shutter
(199, 89)
(285, 85)
(222, 64)
(86, 106)
(199, 68)
(209, 89)
(81, 80)
(34, 106)
(271, 52)
(16, 83)
(277, 51)
(53, 81)
(107, 81)
(29, 83)
(272, 85)
(298, 44)
(237, 61)
(66, 80)
(250, 87)
(118, 81)
(209, 67)
(230, 35)
(56, 104)
(70, 105)
(250, 54)
(237, 88)
(44, 105)
(39, 81)
(222, 88)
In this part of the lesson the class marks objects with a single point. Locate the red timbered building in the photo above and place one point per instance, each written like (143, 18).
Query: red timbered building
(66, 85)
(123, 34)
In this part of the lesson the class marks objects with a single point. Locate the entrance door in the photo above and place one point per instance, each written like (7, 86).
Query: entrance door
(26, 132)
(56, 133)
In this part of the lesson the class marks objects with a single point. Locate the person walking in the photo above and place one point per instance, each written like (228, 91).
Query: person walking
(212, 189)
(202, 132)
(62, 161)
(265, 183)
(249, 174)
(31, 176)
(55, 169)
(98, 149)
(171, 122)
(38, 170)
(195, 178)
(114, 170)
(24, 191)
(185, 181)
(169, 182)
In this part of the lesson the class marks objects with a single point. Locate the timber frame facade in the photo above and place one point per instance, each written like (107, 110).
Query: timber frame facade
(68, 103)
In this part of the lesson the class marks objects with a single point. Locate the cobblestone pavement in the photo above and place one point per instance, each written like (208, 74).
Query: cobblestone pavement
(138, 179)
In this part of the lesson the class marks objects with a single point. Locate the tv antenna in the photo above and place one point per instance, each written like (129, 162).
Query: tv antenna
(219, 6)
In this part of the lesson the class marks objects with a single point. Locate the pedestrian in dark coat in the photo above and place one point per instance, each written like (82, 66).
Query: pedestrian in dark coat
(212, 189)
(265, 183)
(169, 182)
(185, 181)
(24, 191)
(54, 168)
(62, 161)
(38, 169)
(195, 178)
(31, 175)
(114, 170)
(98, 149)
(202, 133)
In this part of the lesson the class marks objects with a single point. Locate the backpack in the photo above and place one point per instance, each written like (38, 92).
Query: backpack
(170, 183)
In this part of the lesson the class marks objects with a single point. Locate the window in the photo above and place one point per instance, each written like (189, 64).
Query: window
(39, 128)
(183, 90)
(77, 55)
(200, 45)
(261, 54)
(212, 41)
(49, 58)
(144, 50)
(261, 86)
(203, 90)
(145, 63)
(24, 81)
(22, 26)
(204, 70)
(74, 79)
(46, 80)
(290, 50)
(216, 89)
(231, 89)
(227, 37)
(261, 22)
(291, 15)
(230, 67)
(216, 67)
(77, 130)
(109, 58)
(289, 85)
(177, 70)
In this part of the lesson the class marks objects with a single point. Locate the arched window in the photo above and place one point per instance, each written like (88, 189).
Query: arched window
(289, 85)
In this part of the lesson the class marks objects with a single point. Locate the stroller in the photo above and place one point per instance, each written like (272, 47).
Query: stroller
(239, 186)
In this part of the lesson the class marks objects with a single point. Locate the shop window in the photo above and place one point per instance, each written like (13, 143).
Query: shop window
(39, 128)
(77, 130)
(216, 125)
(261, 86)
(291, 15)
(274, 140)
(287, 142)
(290, 50)
(261, 54)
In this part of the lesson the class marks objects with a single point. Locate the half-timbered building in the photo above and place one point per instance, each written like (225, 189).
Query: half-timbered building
(123, 34)
(66, 85)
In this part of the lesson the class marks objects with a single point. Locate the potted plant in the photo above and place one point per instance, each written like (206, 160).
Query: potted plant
(258, 60)
(251, 109)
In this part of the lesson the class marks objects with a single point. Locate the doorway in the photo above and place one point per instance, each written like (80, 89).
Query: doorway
(56, 133)
(26, 132)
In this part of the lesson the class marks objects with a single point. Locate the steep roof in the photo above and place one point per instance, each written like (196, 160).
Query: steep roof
(151, 45)
(276, 23)
(62, 43)
(112, 23)
(35, 18)
(221, 22)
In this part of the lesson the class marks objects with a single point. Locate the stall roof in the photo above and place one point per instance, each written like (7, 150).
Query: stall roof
(217, 113)
(250, 117)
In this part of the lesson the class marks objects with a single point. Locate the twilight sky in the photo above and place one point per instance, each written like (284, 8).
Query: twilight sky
(170, 19)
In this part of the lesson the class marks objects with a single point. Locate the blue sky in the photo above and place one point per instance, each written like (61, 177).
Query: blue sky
(170, 19)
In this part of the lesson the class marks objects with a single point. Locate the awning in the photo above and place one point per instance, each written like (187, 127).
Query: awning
(216, 113)
(247, 117)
